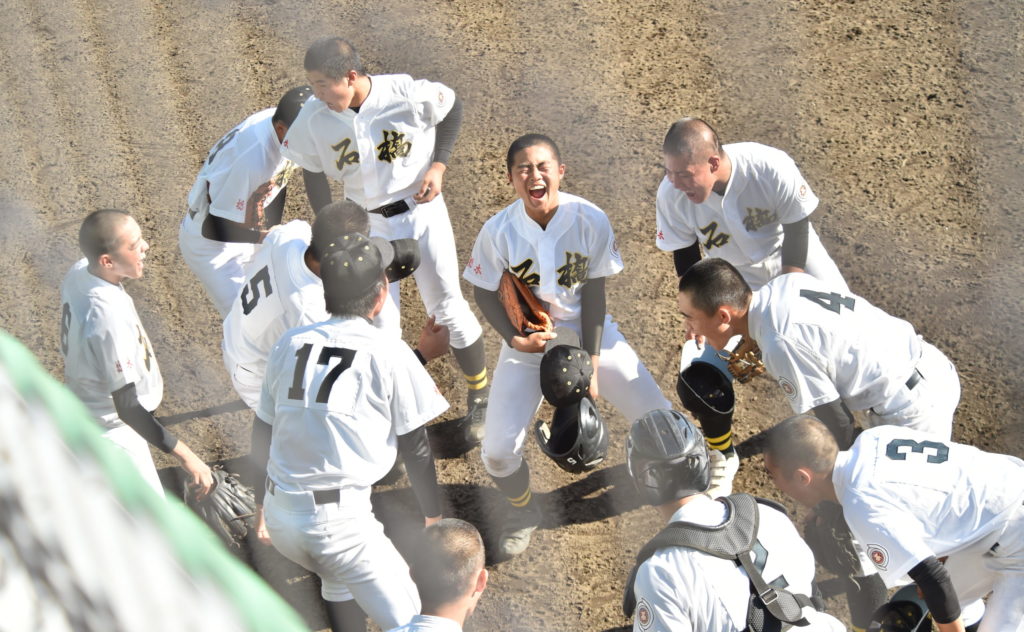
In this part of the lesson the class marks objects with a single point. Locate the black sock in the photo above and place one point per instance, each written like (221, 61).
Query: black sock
(472, 362)
(517, 486)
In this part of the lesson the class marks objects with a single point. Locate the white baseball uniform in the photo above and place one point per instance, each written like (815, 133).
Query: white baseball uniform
(820, 344)
(744, 226)
(381, 154)
(280, 292)
(428, 623)
(246, 157)
(680, 589)
(908, 496)
(336, 395)
(576, 245)
(105, 348)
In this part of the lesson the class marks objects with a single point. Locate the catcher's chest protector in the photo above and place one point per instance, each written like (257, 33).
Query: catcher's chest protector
(770, 608)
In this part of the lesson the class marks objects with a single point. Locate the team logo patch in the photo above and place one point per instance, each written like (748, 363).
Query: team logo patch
(787, 388)
(615, 247)
(879, 556)
(803, 191)
(643, 614)
(240, 205)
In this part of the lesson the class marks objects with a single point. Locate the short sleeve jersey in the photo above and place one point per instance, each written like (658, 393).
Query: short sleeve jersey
(336, 394)
(104, 345)
(380, 152)
(820, 345)
(908, 496)
(680, 589)
(744, 226)
(280, 292)
(577, 244)
(243, 159)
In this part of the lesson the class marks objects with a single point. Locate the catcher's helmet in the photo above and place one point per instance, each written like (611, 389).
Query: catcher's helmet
(905, 612)
(576, 440)
(707, 393)
(667, 457)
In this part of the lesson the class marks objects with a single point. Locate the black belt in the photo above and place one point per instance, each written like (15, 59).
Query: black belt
(390, 210)
(914, 378)
(320, 496)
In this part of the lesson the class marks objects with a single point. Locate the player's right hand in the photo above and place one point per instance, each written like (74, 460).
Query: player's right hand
(434, 340)
(534, 343)
(262, 533)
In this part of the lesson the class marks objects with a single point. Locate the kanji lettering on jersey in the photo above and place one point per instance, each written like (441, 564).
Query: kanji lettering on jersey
(758, 218)
(393, 146)
(715, 239)
(345, 157)
(521, 269)
(574, 270)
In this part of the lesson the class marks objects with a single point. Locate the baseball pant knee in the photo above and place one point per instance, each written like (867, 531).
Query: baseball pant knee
(219, 266)
(513, 402)
(623, 379)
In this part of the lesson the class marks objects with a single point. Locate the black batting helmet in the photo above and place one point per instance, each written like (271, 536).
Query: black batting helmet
(565, 374)
(707, 393)
(576, 439)
(905, 612)
(667, 457)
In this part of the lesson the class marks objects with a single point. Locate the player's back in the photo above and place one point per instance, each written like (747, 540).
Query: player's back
(280, 292)
(684, 589)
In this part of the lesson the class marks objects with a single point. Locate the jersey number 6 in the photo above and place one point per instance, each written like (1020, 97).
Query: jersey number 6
(298, 390)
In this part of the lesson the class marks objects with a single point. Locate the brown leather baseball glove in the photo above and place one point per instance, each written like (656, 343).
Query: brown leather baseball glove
(744, 361)
(524, 311)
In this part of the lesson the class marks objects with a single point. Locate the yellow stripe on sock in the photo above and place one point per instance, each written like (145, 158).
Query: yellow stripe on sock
(521, 501)
(478, 381)
(723, 442)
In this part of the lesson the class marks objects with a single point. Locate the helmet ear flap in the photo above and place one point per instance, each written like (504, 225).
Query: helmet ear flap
(667, 457)
(576, 439)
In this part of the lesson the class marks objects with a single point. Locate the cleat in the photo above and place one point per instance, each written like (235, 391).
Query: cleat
(520, 525)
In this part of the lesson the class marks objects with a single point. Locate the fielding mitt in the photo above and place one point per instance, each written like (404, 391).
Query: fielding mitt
(226, 508)
(829, 538)
(744, 361)
(524, 311)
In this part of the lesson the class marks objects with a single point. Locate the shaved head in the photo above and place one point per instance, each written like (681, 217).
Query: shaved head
(802, 442)
(101, 232)
(693, 139)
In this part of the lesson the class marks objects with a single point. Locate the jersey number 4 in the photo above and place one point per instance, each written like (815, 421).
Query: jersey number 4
(298, 390)
(832, 301)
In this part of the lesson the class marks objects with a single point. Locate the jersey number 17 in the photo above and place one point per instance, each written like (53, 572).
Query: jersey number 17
(298, 388)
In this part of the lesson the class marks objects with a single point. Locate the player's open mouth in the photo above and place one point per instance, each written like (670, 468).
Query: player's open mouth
(538, 192)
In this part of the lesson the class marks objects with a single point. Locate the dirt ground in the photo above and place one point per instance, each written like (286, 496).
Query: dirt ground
(905, 117)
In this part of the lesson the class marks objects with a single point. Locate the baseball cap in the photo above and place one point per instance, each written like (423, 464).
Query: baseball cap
(290, 104)
(353, 265)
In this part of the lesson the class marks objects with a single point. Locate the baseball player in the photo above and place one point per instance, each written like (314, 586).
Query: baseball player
(946, 514)
(389, 138)
(746, 203)
(108, 359)
(449, 572)
(830, 351)
(562, 247)
(342, 398)
(238, 195)
(679, 588)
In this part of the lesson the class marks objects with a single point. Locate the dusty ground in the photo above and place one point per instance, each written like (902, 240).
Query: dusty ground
(905, 117)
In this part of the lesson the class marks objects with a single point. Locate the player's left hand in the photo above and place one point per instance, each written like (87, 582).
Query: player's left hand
(594, 361)
(434, 340)
(431, 520)
(432, 182)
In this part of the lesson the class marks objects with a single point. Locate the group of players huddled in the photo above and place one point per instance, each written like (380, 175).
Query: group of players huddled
(312, 342)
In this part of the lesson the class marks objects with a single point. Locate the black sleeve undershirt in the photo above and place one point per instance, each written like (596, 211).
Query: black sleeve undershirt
(794, 243)
(446, 132)
(318, 190)
(419, 467)
(839, 420)
(220, 229)
(142, 421)
(684, 258)
(592, 313)
(493, 311)
(936, 586)
(260, 455)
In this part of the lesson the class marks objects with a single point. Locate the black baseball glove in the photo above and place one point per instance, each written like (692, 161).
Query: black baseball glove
(829, 538)
(227, 509)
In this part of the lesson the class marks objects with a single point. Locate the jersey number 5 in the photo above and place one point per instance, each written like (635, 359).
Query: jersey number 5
(832, 301)
(298, 390)
(253, 290)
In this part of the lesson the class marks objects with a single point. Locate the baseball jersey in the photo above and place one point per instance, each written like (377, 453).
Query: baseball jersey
(907, 496)
(104, 345)
(337, 393)
(280, 292)
(576, 245)
(382, 151)
(680, 589)
(246, 157)
(428, 623)
(743, 226)
(821, 345)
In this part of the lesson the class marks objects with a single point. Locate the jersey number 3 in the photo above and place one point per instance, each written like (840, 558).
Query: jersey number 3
(895, 450)
(298, 390)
